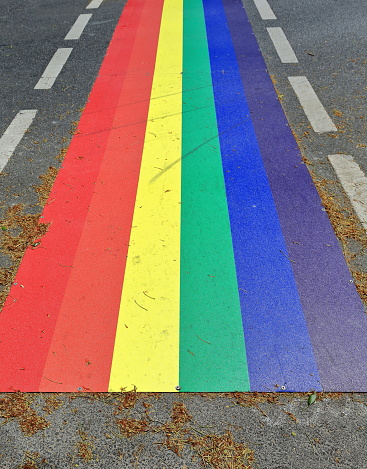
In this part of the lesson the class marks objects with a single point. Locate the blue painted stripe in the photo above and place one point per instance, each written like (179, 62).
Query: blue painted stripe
(278, 346)
(333, 310)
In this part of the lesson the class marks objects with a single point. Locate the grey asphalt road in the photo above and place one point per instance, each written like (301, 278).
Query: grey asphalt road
(330, 42)
(168, 430)
(186, 431)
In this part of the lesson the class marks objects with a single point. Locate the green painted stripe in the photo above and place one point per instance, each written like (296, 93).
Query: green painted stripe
(212, 348)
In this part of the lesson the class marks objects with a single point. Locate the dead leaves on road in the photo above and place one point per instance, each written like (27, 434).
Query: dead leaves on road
(215, 451)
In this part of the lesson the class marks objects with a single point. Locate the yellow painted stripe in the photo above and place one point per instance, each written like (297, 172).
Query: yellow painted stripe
(147, 338)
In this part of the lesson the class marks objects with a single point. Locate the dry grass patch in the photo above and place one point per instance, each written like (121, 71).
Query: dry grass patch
(84, 447)
(222, 452)
(216, 451)
(131, 427)
(329, 395)
(361, 285)
(18, 232)
(344, 221)
(127, 399)
(17, 406)
(180, 414)
(52, 403)
(62, 154)
(44, 189)
(31, 459)
(176, 433)
(254, 399)
(346, 226)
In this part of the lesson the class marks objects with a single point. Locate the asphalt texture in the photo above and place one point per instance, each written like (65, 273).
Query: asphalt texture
(187, 430)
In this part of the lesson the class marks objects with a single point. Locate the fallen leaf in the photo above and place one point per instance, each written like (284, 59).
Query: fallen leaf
(311, 398)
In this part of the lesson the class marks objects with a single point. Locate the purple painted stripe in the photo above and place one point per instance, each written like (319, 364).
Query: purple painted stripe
(334, 312)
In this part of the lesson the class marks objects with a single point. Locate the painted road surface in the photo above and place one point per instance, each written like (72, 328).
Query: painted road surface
(187, 247)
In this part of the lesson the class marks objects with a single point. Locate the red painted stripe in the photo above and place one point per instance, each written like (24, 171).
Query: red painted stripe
(85, 208)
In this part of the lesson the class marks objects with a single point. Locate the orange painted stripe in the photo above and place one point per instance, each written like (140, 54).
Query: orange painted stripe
(100, 171)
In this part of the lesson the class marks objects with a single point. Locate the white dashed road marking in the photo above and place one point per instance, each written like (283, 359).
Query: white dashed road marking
(94, 4)
(53, 69)
(314, 110)
(78, 27)
(265, 11)
(14, 133)
(282, 46)
(354, 182)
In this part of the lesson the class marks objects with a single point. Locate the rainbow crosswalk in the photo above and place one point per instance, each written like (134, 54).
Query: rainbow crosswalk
(187, 247)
